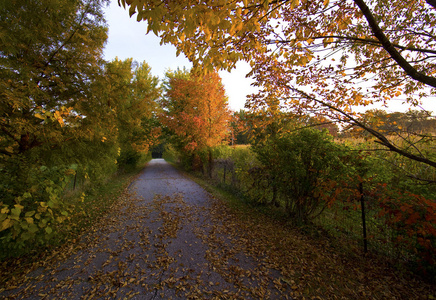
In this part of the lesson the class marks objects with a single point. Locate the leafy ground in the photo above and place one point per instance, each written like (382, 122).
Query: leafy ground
(168, 247)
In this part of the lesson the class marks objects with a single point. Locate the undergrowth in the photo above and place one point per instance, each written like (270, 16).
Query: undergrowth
(246, 208)
(96, 203)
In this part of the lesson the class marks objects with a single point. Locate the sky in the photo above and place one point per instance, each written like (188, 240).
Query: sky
(127, 39)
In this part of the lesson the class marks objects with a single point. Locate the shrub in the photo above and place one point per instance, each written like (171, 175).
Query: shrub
(298, 168)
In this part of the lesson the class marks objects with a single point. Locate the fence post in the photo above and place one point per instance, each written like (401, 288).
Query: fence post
(362, 204)
(224, 176)
(75, 178)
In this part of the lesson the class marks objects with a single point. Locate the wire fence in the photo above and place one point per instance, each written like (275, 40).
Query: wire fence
(355, 223)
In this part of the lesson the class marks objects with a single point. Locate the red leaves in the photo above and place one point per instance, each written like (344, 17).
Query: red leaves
(414, 219)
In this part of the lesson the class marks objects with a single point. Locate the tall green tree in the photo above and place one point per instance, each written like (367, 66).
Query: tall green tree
(132, 93)
(50, 63)
(50, 53)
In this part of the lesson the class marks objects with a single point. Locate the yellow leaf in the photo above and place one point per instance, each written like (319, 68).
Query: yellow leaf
(239, 11)
(326, 2)
(9, 149)
(294, 3)
(39, 116)
(6, 224)
(239, 26)
(20, 207)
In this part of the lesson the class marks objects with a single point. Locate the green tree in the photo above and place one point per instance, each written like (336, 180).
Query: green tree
(131, 93)
(301, 169)
(50, 55)
(51, 59)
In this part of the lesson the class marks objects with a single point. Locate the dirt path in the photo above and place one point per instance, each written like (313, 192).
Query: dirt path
(167, 240)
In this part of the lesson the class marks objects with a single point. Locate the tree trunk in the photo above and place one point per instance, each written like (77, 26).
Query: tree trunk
(210, 164)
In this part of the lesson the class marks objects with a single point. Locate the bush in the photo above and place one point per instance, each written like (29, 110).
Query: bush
(299, 169)
(30, 219)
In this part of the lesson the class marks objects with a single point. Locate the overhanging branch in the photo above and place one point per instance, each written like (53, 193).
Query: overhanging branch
(381, 139)
(390, 48)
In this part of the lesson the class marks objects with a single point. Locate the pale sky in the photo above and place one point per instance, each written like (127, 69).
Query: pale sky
(127, 39)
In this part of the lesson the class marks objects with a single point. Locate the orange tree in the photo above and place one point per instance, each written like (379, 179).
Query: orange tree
(325, 56)
(196, 113)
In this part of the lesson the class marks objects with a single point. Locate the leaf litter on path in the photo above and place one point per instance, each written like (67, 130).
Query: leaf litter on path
(170, 249)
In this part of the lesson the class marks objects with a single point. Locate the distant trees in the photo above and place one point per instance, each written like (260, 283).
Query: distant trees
(411, 122)
(196, 112)
(239, 128)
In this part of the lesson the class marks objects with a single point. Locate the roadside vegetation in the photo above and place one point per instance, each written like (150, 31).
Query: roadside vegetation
(361, 197)
(70, 122)
(322, 258)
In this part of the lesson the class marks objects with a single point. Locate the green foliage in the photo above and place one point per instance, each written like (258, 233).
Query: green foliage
(68, 119)
(297, 168)
(31, 218)
(170, 154)
(131, 93)
(400, 212)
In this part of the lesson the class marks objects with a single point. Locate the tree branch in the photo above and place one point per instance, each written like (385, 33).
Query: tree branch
(381, 138)
(432, 3)
(390, 48)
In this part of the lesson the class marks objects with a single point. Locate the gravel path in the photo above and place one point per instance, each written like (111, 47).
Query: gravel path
(167, 239)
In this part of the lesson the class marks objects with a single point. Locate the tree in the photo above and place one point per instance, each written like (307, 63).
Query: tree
(239, 129)
(50, 65)
(50, 56)
(313, 56)
(414, 122)
(301, 169)
(50, 53)
(132, 94)
(196, 112)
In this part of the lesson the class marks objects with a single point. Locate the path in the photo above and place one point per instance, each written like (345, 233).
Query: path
(168, 240)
